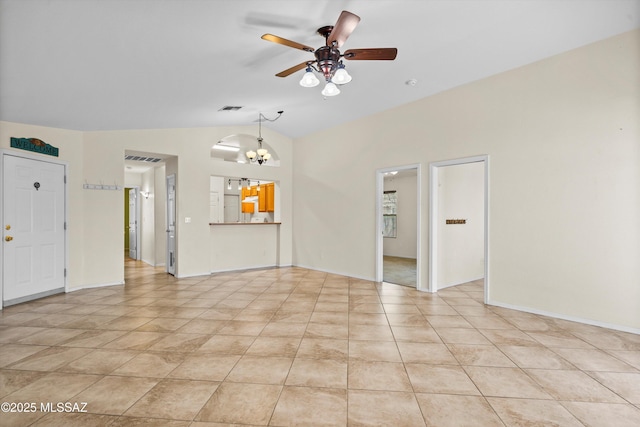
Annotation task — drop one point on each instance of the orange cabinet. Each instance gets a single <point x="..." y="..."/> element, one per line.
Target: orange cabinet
<point x="245" y="192"/>
<point x="254" y="190"/>
<point x="270" y="197"/>
<point x="262" y="198"/>
<point x="248" y="207"/>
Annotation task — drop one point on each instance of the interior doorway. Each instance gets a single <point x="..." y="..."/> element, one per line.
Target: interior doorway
<point x="132" y="223"/>
<point x="459" y="212"/>
<point x="398" y="225"/>
<point x="171" y="224"/>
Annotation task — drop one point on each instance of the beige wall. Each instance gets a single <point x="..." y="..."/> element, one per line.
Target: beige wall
<point x="95" y="217"/>
<point x="564" y="145"/>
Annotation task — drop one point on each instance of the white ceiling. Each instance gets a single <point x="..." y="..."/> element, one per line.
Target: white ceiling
<point x="110" y="64"/>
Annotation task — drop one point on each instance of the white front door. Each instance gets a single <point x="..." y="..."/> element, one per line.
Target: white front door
<point x="171" y="224"/>
<point x="133" y="224"/>
<point x="33" y="256"/>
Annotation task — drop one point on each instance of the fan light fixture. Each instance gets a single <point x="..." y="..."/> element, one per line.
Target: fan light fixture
<point x="261" y="155"/>
<point x="328" y="59"/>
<point x="334" y="73"/>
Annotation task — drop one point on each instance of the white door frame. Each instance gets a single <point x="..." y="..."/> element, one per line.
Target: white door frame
<point x="138" y="215"/>
<point x="380" y="224"/>
<point x="171" y="262"/>
<point x="434" y="226"/>
<point x="27" y="155"/>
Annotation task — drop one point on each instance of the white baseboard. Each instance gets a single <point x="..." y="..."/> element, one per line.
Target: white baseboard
<point x="152" y="264"/>
<point x="460" y="282"/>
<point x="253" y="267"/>
<point x="100" y="285"/>
<point x="591" y="322"/>
<point x="186" y="276"/>
<point x="370" y="279"/>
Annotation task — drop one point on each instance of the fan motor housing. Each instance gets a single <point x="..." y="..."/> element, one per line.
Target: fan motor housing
<point x="327" y="57"/>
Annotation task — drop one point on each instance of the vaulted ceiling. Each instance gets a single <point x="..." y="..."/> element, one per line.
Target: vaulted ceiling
<point x="109" y="64"/>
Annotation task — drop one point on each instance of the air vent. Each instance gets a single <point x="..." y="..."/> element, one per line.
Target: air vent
<point x="143" y="159"/>
<point x="230" y="108"/>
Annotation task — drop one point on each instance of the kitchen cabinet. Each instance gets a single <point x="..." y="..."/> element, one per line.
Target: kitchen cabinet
<point x="248" y="207"/>
<point x="270" y="196"/>
<point x="262" y="198"/>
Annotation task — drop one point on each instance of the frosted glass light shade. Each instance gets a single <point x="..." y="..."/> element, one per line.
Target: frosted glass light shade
<point x="251" y="154"/>
<point x="262" y="152"/>
<point x="330" y="90"/>
<point x="309" y="80"/>
<point x="341" y="77"/>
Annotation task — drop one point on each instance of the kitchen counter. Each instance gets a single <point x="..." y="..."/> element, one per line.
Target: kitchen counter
<point x="244" y="223"/>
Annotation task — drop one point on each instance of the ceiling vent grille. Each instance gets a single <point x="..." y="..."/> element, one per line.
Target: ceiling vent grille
<point x="142" y="159"/>
<point x="230" y="108"/>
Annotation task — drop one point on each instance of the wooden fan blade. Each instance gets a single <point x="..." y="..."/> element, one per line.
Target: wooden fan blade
<point x="292" y="70"/>
<point x="345" y="25"/>
<point x="386" y="53"/>
<point x="280" y="40"/>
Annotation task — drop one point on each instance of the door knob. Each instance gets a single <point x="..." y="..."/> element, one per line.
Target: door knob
<point x="8" y="238"/>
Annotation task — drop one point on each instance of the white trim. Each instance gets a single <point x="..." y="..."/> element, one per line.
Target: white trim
<point x="186" y="276"/>
<point x="138" y="214"/>
<point x="46" y="159"/>
<point x="337" y="273"/>
<point x="433" y="219"/>
<point x="379" y="225"/>
<point x="565" y="317"/>
<point x="152" y="264"/>
<point x="459" y="283"/>
<point x="252" y="267"/>
<point x="99" y="285"/>
<point x="33" y="297"/>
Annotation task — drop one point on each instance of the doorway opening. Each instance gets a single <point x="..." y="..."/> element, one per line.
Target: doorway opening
<point x="171" y="224"/>
<point x="145" y="231"/>
<point x="398" y="225"/>
<point x="459" y="223"/>
<point x="132" y="222"/>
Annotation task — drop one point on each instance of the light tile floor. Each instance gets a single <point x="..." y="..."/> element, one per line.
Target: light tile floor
<point x="292" y="346"/>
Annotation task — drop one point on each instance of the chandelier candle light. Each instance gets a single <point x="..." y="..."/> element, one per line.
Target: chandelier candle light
<point x="261" y="155"/>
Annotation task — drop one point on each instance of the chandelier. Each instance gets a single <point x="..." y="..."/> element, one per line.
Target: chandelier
<point x="261" y="155"/>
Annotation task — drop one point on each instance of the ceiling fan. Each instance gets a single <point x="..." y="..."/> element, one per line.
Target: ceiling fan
<point x="328" y="59"/>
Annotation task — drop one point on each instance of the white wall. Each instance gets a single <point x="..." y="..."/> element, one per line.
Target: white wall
<point x="245" y="246"/>
<point x="147" y="217"/>
<point x="193" y="167"/>
<point x="405" y="243"/>
<point x="96" y="216"/>
<point x="562" y="135"/>
<point x="460" y="246"/>
<point x="160" y="215"/>
<point x="216" y="188"/>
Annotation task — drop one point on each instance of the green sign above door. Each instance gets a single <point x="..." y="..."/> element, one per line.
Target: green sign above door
<point x="34" y="144"/>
